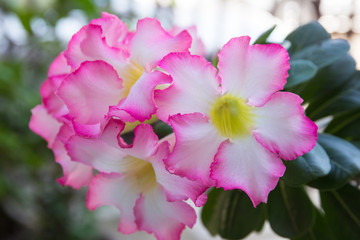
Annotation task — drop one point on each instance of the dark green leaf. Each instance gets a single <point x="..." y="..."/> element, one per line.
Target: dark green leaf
<point x="300" y="71"/>
<point x="341" y="99"/>
<point x="319" y="231"/>
<point x="306" y="35"/>
<point x="327" y="81"/>
<point x="344" y="160"/>
<point x="290" y="211"/>
<point x="324" y="53"/>
<point x="231" y="214"/>
<point x="342" y="211"/>
<point x="262" y="39"/>
<point x="308" y="167"/>
<point x="162" y="129"/>
<point x="346" y="125"/>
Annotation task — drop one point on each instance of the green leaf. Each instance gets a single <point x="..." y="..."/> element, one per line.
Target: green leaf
<point x="319" y="231"/>
<point x="344" y="160"/>
<point x="162" y="129"/>
<point x="343" y="98"/>
<point x="346" y="125"/>
<point x="308" y="167"/>
<point x="324" y="53"/>
<point x="300" y="71"/>
<point x="262" y="39"/>
<point x="342" y="211"/>
<point x="306" y="35"/>
<point x="231" y="214"/>
<point x="326" y="83"/>
<point x="290" y="211"/>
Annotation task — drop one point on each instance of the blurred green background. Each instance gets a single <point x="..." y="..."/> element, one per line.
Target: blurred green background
<point x="32" y="32"/>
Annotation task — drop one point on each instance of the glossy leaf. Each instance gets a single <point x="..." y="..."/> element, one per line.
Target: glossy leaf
<point x="342" y="212"/>
<point x="300" y="72"/>
<point x="306" y="35"/>
<point x="231" y="214"/>
<point x="262" y="39"/>
<point x="324" y="53"/>
<point x="327" y="81"/>
<point x="308" y="167"/>
<point x="344" y="98"/>
<point x="344" y="160"/>
<point x="346" y="125"/>
<point x="290" y="211"/>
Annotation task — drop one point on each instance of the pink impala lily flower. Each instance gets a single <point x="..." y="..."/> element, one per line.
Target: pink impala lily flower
<point x="134" y="179"/>
<point x="234" y="128"/>
<point x="113" y="71"/>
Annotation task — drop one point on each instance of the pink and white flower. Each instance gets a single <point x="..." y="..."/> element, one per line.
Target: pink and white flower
<point x="113" y="71"/>
<point x="106" y="70"/>
<point x="233" y="128"/>
<point x="134" y="179"/>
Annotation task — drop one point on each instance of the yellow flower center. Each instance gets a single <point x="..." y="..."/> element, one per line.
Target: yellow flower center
<point x="232" y="117"/>
<point x="142" y="172"/>
<point x="130" y="74"/>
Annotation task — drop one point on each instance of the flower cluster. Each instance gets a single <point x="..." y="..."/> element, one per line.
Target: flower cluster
<point x="232" y="126"/>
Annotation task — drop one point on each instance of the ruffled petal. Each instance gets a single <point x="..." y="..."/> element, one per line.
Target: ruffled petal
<point x="140" y="102"/>
<point x="176" y="187"/>
<point x="53" y="104"/>
<point x="282" y="127"/>
<point x="194" y="88"/>
<point x="76" y="175"/>
<point x="244" y="164"/>
<point x="89" y="45"/>
<point x="196" y="145"/>
<point x="253" y="72"/>
<point x="145" y="143"/>
<point x="151" y="43"/>
<point x="116" y="190"/>
<point x="154" y="214"/>
<point x="101" y="153"/>
<point x="197" y="45"/>
<point x="43" y="124"/>
<point x="114" y="30"/>
<point x="59" y="66"/>
<point x="89" y="91"/>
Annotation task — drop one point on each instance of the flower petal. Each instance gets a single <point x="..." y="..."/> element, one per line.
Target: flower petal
<point x="176" y="187"/>
<point x="113" y="29"/>
<point x="116" y="190"/>
<point x="196" y="145"/>
<point x="101" y="153"/>
<point x="140" y="102"/>
<point x="151" y="43"/>
<point x="89" y="91"/>
<point x="89" y="45"/>
<point x="282" y="127"/>
<point x="43" y="124"/>
<point x="253" y="72"/>
<point x="59" y="66"/>
<point x="194" y="88"/>
<point x="76" y="174"/>
<point x="54" y="105"/>
<point x="145" y="143"/>
<point x="244" y="164"/>
<point x="154" y="214"/>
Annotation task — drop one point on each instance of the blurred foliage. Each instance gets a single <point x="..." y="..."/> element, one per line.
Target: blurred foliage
<point x="324" y="75"/>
